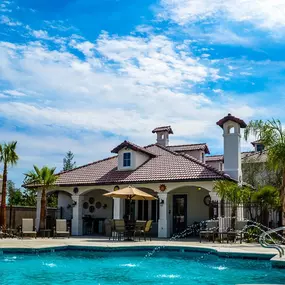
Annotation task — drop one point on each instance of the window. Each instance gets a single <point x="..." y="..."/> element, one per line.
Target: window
<point x="203" y="157"/>
<point x="221" y="166"/>
<point x="127" y="159"/>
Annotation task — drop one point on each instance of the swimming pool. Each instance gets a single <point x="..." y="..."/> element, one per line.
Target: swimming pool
<point x="130" y="267"/>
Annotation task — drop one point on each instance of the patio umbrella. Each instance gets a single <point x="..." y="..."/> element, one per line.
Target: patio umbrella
<point x="130" y="193"/>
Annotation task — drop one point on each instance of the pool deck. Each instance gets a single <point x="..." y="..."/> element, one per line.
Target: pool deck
<point x="31" y="243"/>
<point x="244" y="250"/>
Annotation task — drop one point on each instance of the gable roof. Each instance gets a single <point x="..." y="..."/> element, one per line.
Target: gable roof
<point x="229" y="117"/>
<point x="133" y="147"/>
<point x="246" y="156"/>
<point x="165" y="166"/>
<point x="162" y="129"/>
<point x="190" y="147"/>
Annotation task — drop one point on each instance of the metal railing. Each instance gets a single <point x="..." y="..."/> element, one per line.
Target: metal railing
<point x="265" y="244"/>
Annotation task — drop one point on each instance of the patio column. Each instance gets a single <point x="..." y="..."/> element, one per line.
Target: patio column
<point x="118" y="208"/>
<point x="163" y="222"/>
<point x="77" y="221"/>
<point x="38" y="212"/>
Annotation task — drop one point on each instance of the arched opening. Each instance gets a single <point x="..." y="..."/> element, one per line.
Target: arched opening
<point x="96" y="208"/>
<point x="188" y="205"/>
<point x="143" y="209"/>
<point x="63" y="202"/>
<point x="231" y="129"/>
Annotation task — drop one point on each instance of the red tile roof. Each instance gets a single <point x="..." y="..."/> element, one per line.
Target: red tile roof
<point x="244" y="155"/>
<point x="131" y="146"/>
<point x="214" y="158"/>
<point x="189" y="147"/>
<point x="229" y="117"/>
<point x="162" y="129"/>
<point x="165" y="166"/>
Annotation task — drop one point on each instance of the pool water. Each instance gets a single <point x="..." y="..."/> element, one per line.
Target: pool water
<point x="78" y="267"/>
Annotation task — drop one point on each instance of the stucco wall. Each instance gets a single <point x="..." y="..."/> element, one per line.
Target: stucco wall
<point x="195" y="153"/>
<point x="140" y="158"/>
<point x="137" y="159"/>
<point x="232" y="151"/>
<point x="64" y="199"/>
<point x="216" y="164"/>
<point x="196" y="209"/>
<point x="98" y="197"/>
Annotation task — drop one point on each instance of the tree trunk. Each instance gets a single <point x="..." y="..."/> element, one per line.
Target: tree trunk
<point x="43" y="209"/>
<point x="233" y="216"/>
<point x="3" y="199"/>
<point x="283" y="199"/>
<point x="265" y="217"/>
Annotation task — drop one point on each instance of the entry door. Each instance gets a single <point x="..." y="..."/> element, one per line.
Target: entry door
<point x="179" y="213"/>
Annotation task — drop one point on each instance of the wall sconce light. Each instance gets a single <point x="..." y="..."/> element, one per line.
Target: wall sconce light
<point x="161" y="202"/>
<point x="74" y="203"/>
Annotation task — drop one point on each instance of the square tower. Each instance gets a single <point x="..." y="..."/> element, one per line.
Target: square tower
<point x="232" y="150"/>
<point x="162" y="135"/>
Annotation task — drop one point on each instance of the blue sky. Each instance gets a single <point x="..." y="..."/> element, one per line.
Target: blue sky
<point x="85" y="75"/>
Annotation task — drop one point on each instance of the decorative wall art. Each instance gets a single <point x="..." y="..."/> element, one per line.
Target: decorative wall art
<point x="98" y="205"/>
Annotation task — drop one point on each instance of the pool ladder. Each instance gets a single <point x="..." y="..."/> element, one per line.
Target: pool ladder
<point x="265" y="244"/>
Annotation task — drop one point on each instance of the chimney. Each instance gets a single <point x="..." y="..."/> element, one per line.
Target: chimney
<point x="232" y="153"/>
<point x="162" y="135"/>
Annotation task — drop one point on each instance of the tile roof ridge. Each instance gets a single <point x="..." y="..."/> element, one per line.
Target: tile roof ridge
<point x="214" y="155"/>
<point x="252" y="153"/>
<point x="187" y="144"/>
<point x="135" y="146"/>
<point x="86" y="165"/>
<point x="163" y="147"/>
<point x="222" y="173"/>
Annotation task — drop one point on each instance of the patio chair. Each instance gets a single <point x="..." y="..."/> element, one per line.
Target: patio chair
<point x="61" y="228"/>
<point x="210" y="231"/>
<point x="110" y="228"/>
<point x="238" y="232"/>
<point x="119" y="229"/>
<point x="146" y="230"/>
<point x="28" y="228"/>
<point x="139" y="227"/>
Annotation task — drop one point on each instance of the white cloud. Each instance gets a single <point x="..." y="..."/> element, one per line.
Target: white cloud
<point x="40" y="34"/>
<point x="261" y="13"/>
<point x="154" y="60"/>
<point x="224" y="36"/>
<point x="9" y="22"/>
<point x="15" y="93"/>
<point x="86" y="47"/>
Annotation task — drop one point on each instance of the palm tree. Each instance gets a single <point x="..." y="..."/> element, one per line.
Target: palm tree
<point x="272" y="136"/>
<point x="8" y="156"/>
<point x="267" y="197"/>
<point x="44" y="178"/>
<point x="231" y="192"/>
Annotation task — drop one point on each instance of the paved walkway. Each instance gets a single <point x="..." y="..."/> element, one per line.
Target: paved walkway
<point x="104" y="242"/>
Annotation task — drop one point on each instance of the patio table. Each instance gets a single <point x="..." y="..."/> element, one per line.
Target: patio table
<point x="44" y="233"/>
<point x="229" y="235"/>
<point x="129" y="231"/>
